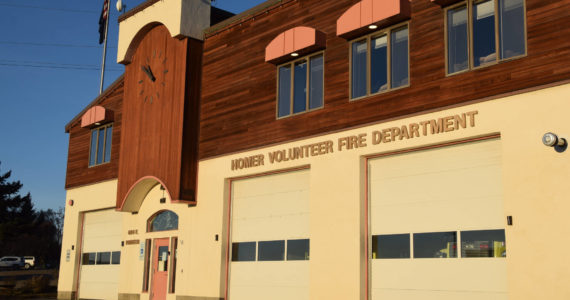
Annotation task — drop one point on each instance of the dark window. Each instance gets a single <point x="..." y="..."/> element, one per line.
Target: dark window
<point x="103" y="258"/>
<point x="300" y="90"/>
<point x="391" y="246"/>
<point x="483" y="243"/>
<point x="244" y="251"/>
<point x="379" y="65"/>
<point x="359" y="69"/>
<point x="435" y="245"/>
<point x="511" y="25"/>
<point x="116" y="258"/>
<point x="271" y="251"/>
<point x="298" y="249"/>
<point x="165" y="220"/>
<point x="457" y="37"/>
<point x="476" y="21"/>
<point x="88" y="258"/>
<point x="101" y="142"/>
<point x="484" y="50"/>
<point x="379" y="62"/>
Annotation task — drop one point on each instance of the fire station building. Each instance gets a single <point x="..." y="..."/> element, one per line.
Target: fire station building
<point x="310" y="149"/>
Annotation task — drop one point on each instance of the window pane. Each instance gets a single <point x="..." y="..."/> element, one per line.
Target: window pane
<point x="391" y="246"/>
<point x="399" y="40"/>
<point x="435" y="245"/>
<point x="103" y="258"/>
<point x="457" y="54"/>
<point x="300" y="89"/>
<point x="511" y="31"/>
<point x="166" y="220"/>
<point x="88" y="259"/>
<point x="316" y="82"/>
<point x="93" y="150"/>
<point x="243" y="251"/>
<point x="379" y="64"/>
<point x="284" y="108"/>
<point x="108" y="143"/>
<point x="162" y="258"/>
<point x="484" y="33"/>
<point x="100" y="145"/>
<point x="483" y="243"/>
<point x="116" y="258"/>
<point x="271" y="251"/>
<point x="358" y="79"/>
<point x="298" y="249"/>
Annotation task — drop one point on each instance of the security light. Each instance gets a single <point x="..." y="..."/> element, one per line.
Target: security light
<point x="551" y="140"/>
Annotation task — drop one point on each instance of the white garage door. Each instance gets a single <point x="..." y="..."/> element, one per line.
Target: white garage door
<point x="437" y="224"/>
<point x="99" y="277"/>
<point x="270" y="237"/>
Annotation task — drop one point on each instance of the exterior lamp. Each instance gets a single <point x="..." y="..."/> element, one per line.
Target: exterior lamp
<point x="373" y="26"/>
<point x="551" y="140"/>
<point x="294" y="54"/>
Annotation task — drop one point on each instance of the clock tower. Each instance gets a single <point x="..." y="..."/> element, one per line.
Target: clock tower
<point x="160" y="43"/>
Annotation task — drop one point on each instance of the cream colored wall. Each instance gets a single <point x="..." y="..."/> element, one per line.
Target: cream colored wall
<point x="534" y="194"/>
<point x="186" y="18"/>
<point x="534" y="190"/>
<point x="86" y="198"/>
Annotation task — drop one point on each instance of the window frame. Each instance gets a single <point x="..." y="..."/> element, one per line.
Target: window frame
<point x="292" y="63"/>
<point x="470" y="58"/>
<point x="387" y="31"/>
<point x="105" y="127"/>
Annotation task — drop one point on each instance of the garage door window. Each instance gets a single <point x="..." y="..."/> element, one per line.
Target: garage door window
<point x="243" y="251"/>
<point x="483" y="243"/>
<point x="116" y="258"/>
<point x="103" y="258"/>
<point x="88" y="258"/>
<point x="298" y="249"/>
<point x="435" y="245"/>
<point x="271" y="251"/>
<point x="391" y="246"/>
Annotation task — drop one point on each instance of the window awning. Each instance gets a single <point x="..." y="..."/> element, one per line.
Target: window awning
<point x="382" y="13"/>
<point x="95" y="116"/>
<point x="301" y="40"/>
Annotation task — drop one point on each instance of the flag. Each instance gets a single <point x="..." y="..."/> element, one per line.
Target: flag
<point x="103" y="21"/>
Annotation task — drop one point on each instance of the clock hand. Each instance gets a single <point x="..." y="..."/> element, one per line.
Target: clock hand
<point x="148" y="72"/>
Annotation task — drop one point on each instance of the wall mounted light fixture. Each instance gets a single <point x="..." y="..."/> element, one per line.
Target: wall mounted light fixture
<point x="550" y="139"/>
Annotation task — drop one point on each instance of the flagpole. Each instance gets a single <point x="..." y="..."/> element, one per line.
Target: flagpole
<point x="105" y="48"/>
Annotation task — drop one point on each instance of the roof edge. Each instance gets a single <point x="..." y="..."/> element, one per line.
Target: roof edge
<point x="96" y="101"/>
<point x="244" y="16"/>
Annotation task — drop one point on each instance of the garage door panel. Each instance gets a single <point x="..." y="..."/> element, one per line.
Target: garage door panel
<point x="447" y="189"/>
<point x="438" y="216"/>
<point x="270" y="280"/>
<point x="270" y="208"/>
<point x="101" y="233"/>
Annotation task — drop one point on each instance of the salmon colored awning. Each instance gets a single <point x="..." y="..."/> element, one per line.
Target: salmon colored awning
<point x="382" y="13"/>
<point x="301" y="40"/>
<point x="95" y="116"/>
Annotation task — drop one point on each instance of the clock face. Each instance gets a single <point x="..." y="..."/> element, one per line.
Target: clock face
<point x="152" y="77"/>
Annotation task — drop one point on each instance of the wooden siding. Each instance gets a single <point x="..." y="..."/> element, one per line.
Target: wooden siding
<point x="151" y="143"/>
<point x="239" y="89"/>
<point x="78" y="171"/>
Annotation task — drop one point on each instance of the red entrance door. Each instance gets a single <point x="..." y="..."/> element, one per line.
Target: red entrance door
<point x="160" y="269"/>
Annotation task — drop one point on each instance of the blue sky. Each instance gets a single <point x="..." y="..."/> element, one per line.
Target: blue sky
<point x="49" y="70"/>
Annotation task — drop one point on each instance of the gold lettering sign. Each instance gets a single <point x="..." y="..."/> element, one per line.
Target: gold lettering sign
<point x="385" y="135"/>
